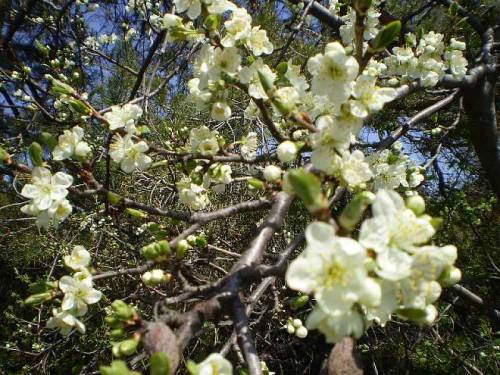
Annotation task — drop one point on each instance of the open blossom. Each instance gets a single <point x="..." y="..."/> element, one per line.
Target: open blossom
<point x="335" y="327"/>
<point x="218" y="174"/>
<point x="192" y="195"/>
<point x="71" y="143"/>
<point x="48" y="197"/>
<point x="129" y="154"/>
<point x="371" y="24"/>
<point x="394" y="232"/>
<point x="193" y="7"/>
<point x="238" y="27"/>
<point x="369" y="97"/>
<point x="334" y="269"/>
<point x="46" y="188"/>
<point x="355" y="170"/>
<point x="204" y="141"/>
<point x="259" y="43"/>
<point x="78" y="293"/>
<point x="65" y="322"/>
<point x="56" y="213"/>
<point x="124" y="116"/>
<point x="220" y="111"/>
<point x="78" y="259"/>
<point x="387" y="174"/>
<point x="214" y="364"/>
<point x="333" y="73"/>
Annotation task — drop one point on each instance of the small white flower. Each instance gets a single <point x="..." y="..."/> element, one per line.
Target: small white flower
<point x="220" y="111"/>
<point x="394" y="233"/>
<point x="204" y="141"/>
<point x="333" y="73"/>
<point x="78" y="293"/>
<point x="65" y="322"/>
<point x="78" y="259"/>
<point x="333" y="268"/>
<point x="46" y="189"/>
<point x="250" y="75"/>
<point x="192" y="195"/>
<point x="125" y="116"/>
<point x="369" y="97"/>
<point x="193" y="7"/>
<point x="259" y="42"/>
<point x="129" y="154"/>
<point x="214" y="364"/>
<point x="237" y="28"/>
<point x="248" y="146"/>
<point x="70" y="143"/>
<point x="355" y="170"/>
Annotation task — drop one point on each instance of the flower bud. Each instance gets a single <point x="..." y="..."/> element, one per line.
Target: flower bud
<point x="272" y="173"/>
<point x="450" y="276"/>
<point x="122" y="310"/>
<point x="290" y="328"/>
<point x="37" y="299"/>
<point x="299" y="302"/>
<point x="191" y="239"/>
<point x="128" y="347"/>
<point x="417" y="204"/>
<point x="301" y="332"/>
<point x="287" y="151"/>
<point x="182" y="248"/>
<point x="297" y="323"/>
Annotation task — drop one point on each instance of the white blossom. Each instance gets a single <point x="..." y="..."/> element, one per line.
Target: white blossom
<point x="65" y="322"/>
<point x="71" y="143"/>
<point x="214" y="364"/>
<point x="333" y="73"/>
<point x="192" y="195"/>
<point x="204" y="141"/>
<point x="123" y="116"/>
<point x="78" y="293"/>
<point x="78" y="259"/>
<point x="333" y="268"/>
<point x="131" y="155"/>
<point x="272" y="173"/>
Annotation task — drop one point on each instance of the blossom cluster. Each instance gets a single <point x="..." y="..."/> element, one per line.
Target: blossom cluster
<point x="428" y="60"/>
<point x="124" y="149"/>
<point x="78" y="293"/>
<point x="390" y="268"/>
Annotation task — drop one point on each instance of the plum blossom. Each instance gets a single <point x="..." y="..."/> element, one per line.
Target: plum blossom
<point x="65" y="322"/>
<point x="71" y="143"/>
<point x="124" y="116"/>
<point x="334" y="270"/>
<point x="78" y="259"/>
<point x="78" y="293"/>
<point x="333" y="73"/>
<point x="131" y="155"/>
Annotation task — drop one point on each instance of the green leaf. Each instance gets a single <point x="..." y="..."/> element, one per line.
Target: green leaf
<point x="79" y="106"/>
<point x="136" y="213"/>
<point x="48" y="140"/>
<point x="453" y="9"/>
<point x="413" y="314"/>
<point x="386" y="35"/>
<point x="4" y="156"/>
<point x="36" y="154"/>
<point x="117" y="368"/>
<point x="352" y="214"/>
<point x="308" y="187"/>
<point x="160" y="365"/>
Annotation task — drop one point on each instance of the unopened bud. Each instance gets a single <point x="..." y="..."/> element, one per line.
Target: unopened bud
<point x="417" y="204"/>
